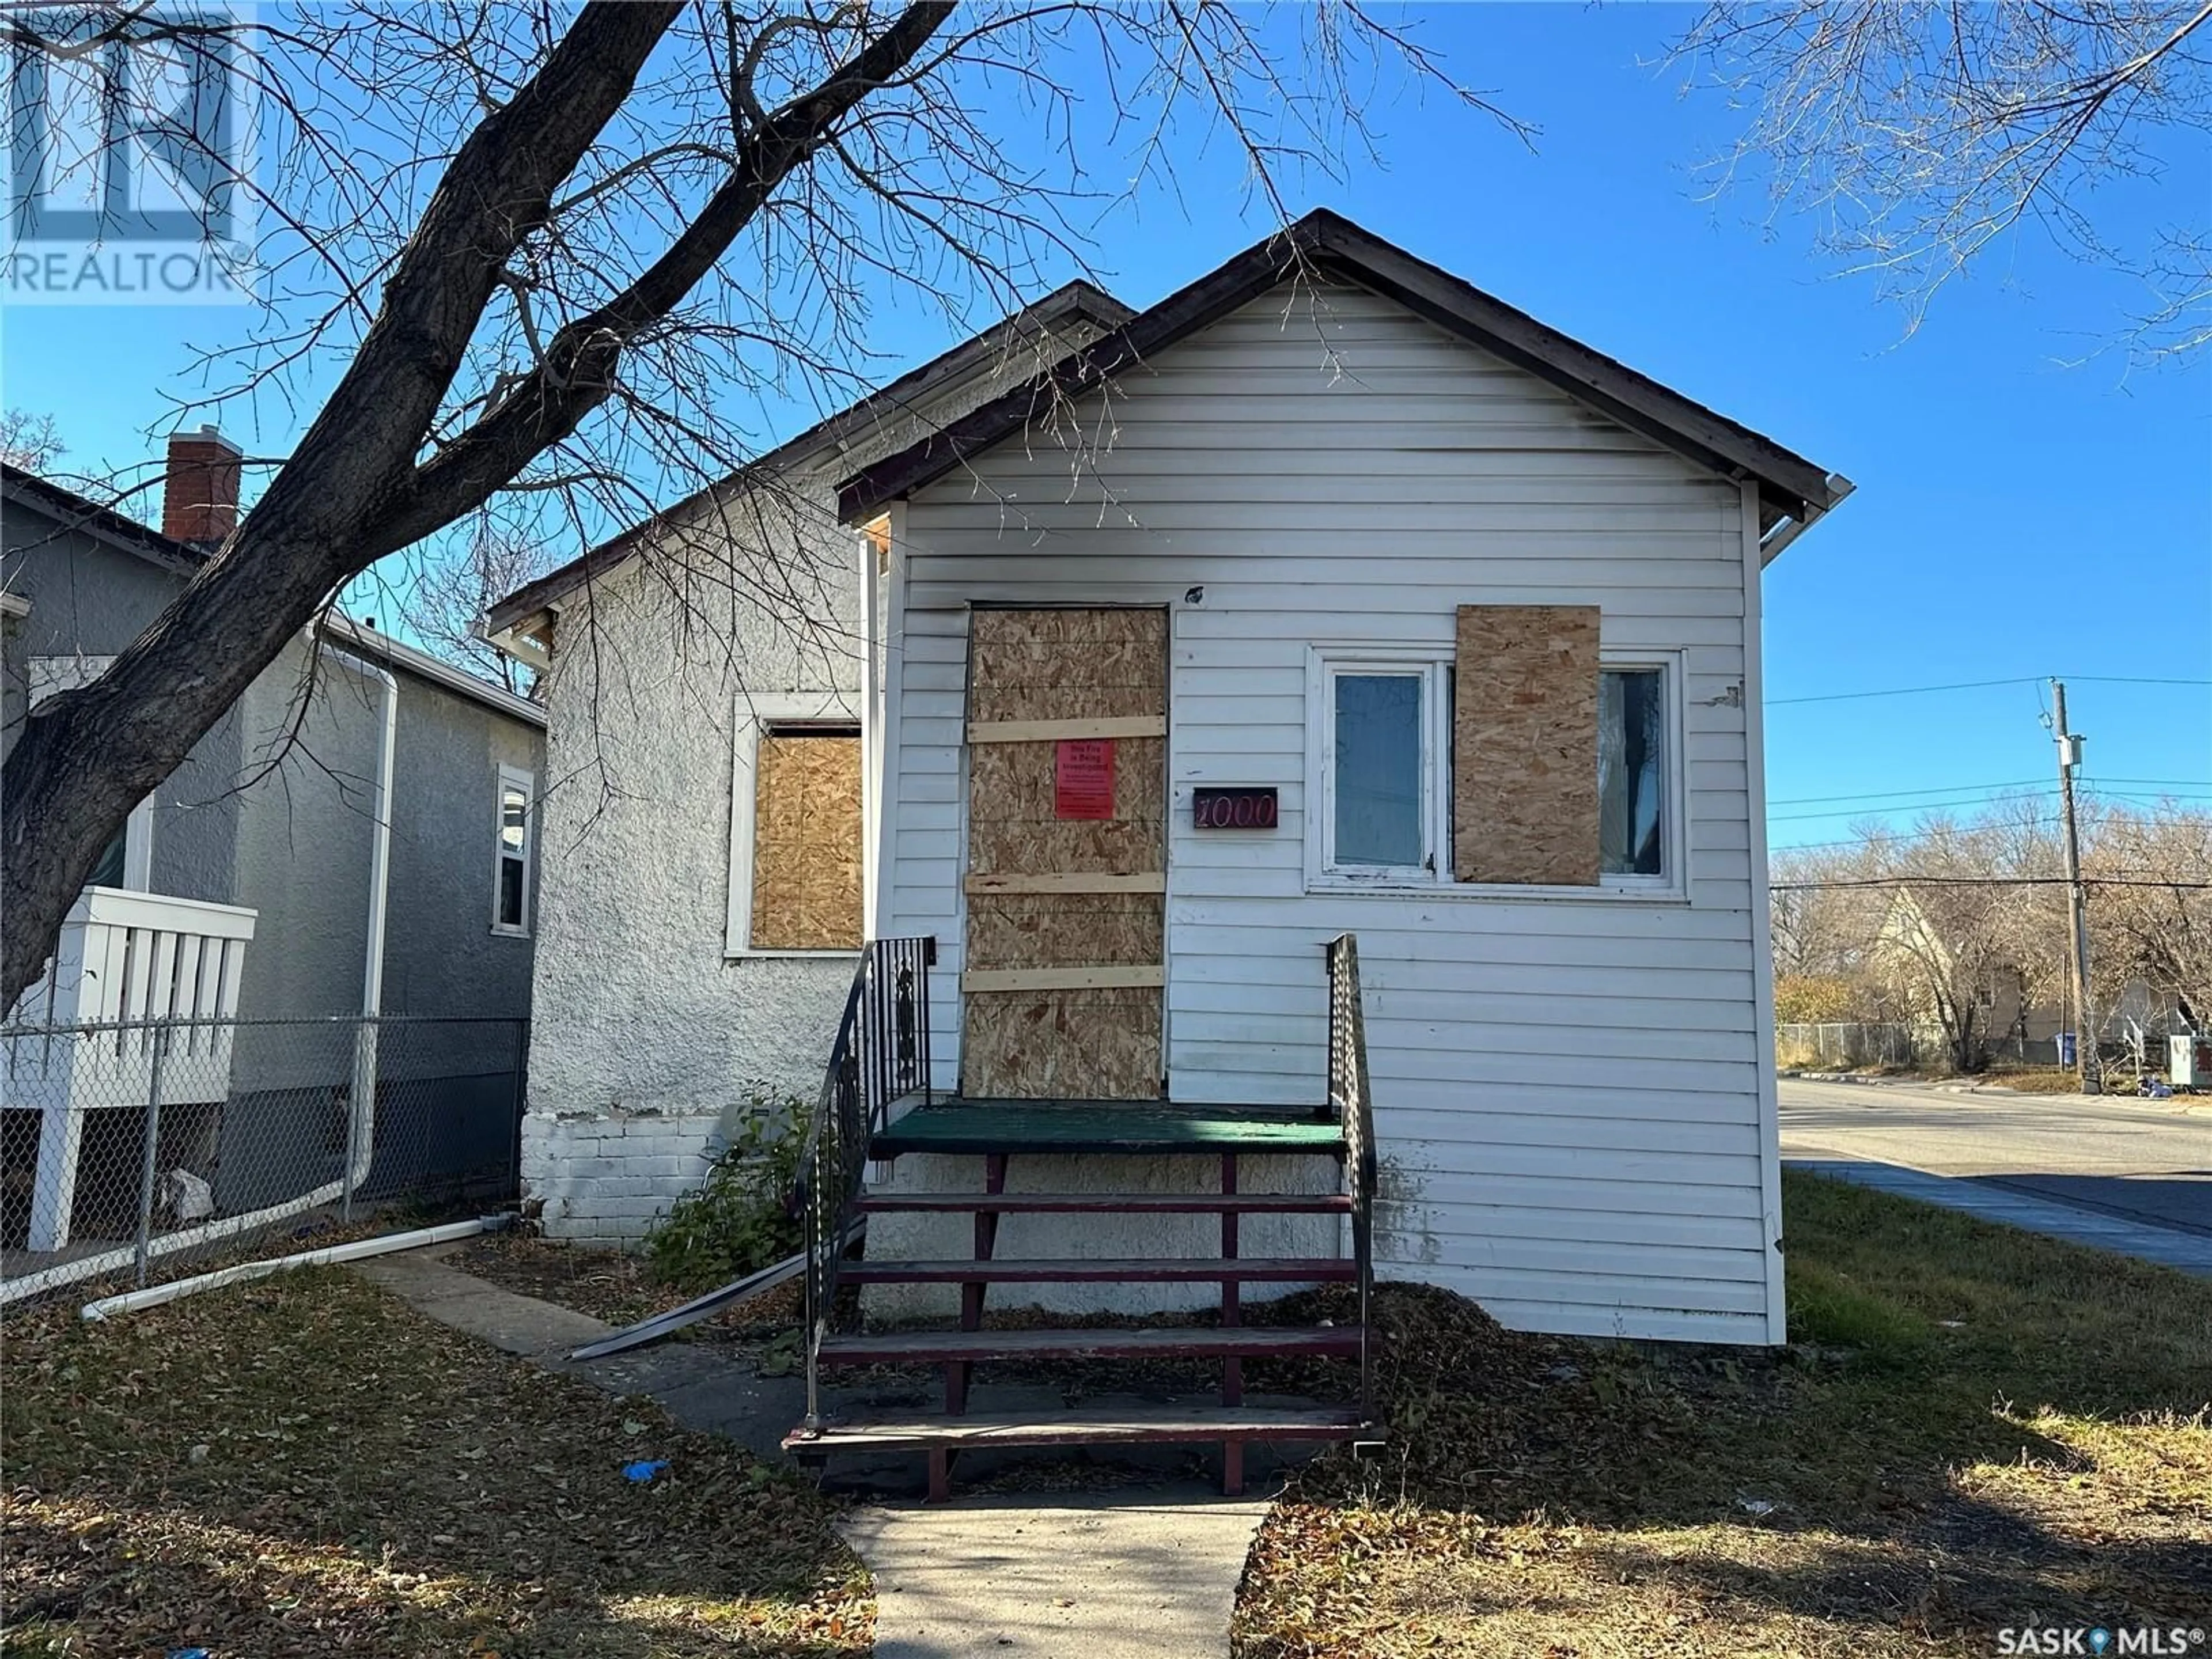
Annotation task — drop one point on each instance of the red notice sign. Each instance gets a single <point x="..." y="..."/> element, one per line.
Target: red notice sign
<point x="1083" y="778"/>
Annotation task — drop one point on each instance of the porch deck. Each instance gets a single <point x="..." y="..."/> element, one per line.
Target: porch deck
<point x="993" y="1127"/>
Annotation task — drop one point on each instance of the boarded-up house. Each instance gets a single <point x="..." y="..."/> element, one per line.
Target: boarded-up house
<point x="1328" y="596"/>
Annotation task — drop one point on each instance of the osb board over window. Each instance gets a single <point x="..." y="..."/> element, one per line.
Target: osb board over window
<point x="1095" y="1044"/>
<point x="1524" y="745"/>
<point x="806" y="842"/>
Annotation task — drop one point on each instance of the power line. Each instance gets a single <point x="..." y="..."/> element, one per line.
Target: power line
<point x="1983" y="685"/>
<point x="1909" y="879"/>
<point x="1903" y="691"/>
<point x="1895" y="794"/>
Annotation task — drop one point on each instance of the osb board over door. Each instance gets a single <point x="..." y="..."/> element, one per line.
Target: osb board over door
<point x="1085" y="1043"/>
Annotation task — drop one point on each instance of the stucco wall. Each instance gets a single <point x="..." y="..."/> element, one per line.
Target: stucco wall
<point x="639" y="1006"/>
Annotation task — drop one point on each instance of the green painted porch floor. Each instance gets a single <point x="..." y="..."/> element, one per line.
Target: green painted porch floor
<point x="1102" y="1126"/>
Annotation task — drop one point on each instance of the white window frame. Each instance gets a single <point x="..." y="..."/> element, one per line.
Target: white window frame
<point x="792" y="711"/>
<point x="1326" y="668"/>
<point x="1673" y="880"/>
<point x="506" y="778"/>
<point x="1325" y="663"/>
<point x="49" y="677"/>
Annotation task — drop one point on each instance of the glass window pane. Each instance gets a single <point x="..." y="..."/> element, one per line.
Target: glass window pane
<point x="510" y="892"/>
<point x="513" y="810"/>
<point x="1631" y="771"/>
<point x="108" y="872"/>
<point x="1378" y="770"/>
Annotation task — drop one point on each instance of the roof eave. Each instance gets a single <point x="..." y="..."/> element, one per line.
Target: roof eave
<point x="1077" y="299"/>
<point x="1793" y="487"/>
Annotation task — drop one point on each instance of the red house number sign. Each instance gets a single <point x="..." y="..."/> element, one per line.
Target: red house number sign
<point x="1233" y="809"/>
<point x="1083" y="778"/>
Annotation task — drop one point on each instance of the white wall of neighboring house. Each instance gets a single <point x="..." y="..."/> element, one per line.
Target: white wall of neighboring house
<point x="1572" y="1094"/>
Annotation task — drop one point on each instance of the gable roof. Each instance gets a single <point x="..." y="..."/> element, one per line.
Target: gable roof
<point x="72" y="511"/>
<point x="1073" y="300"/>
<point x="1791" y="488"/>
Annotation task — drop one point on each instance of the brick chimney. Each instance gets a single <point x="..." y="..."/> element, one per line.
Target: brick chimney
<point x="199" y="496"/>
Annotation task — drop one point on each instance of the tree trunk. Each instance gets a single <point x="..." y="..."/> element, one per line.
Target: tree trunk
<point x="87" y="757"/>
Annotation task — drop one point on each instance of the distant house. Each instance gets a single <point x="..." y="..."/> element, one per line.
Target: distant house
<point x="251" y="884"/>
<point x="1953" y="960"/>
<point x="1328" y="595"/>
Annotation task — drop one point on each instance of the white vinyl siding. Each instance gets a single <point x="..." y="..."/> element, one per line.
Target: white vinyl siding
<point x="1568" y="1081"/>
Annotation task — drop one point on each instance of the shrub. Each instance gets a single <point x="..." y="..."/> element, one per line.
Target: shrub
<point x="733" y="1223"/>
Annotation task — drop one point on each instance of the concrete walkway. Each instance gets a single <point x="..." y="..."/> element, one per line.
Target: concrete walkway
<point x="1083" y="1575"/>
<point x="697" y="1386"/>
<point x="2190" y="1252"/>
<point x="1144" y="1571"/>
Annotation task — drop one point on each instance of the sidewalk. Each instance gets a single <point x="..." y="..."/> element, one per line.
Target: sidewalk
<point x="1087" y="1574"/>
<point x="2190" y="1253"/>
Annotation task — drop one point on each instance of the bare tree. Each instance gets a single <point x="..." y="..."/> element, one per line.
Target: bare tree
<point x="1918" y="134"/>
<point x="562" y="259"/>
<point x="2152" y="873"/>
<point x="442" y="596"/>
<point x="30" y="441"/>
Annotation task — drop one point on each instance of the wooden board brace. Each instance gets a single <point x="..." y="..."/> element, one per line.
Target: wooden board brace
<point x="1139" y="881"/>
<point x="1111" y="726"/>
<point x="1129" y="977"/>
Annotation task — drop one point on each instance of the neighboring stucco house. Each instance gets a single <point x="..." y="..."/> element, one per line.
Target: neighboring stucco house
<point x="1327" y="595"/>
<point x="252" y="882"/>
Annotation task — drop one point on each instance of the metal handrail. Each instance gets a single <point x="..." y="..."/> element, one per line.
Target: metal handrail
<point x="879" y="1057"/>
<point x="1351" y="1098"/>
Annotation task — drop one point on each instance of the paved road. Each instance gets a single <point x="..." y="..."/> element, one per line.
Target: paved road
<point x="2147" y="1161"/>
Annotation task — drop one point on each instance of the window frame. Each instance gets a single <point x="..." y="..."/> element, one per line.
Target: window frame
<point x="50" y="675"/>
<point x="1325" y="662"/>
<point x="505" y="777"/>
<point x="1430" y="668"/>
<point x="831" y="713"/>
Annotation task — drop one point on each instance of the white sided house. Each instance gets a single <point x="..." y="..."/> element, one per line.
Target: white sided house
<point x="1330" y="599"/>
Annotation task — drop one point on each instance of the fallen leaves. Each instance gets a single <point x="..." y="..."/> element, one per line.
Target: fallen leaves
<point x="305" y="1467"/>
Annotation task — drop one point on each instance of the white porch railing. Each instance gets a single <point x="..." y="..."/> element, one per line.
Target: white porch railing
<point x="123" y="958"/>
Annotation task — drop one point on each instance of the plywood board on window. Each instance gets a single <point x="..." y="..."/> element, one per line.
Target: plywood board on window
<point x="806" y="842"/>
<point x="1079" y="1042"/>
<point x="1524" y="745"/>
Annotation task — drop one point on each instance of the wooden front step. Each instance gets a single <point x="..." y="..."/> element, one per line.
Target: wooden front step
<point x="1110" y="1203"/>
<point x="1084" y="1270"/>
<point x="1152" y="1342"/>
<point x="1125" y="1427"/>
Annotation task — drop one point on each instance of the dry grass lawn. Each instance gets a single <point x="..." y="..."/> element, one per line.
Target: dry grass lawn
<point x="1973" y="1429"/>
<point x="304" y="1466"/>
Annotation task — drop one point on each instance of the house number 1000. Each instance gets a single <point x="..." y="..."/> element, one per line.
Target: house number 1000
<point x="1233" y="809"/>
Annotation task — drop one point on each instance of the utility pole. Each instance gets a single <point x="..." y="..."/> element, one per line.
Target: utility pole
<point x="2086" y="1069"/>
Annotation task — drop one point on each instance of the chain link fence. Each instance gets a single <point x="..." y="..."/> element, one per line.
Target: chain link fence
<point x="1798" y="1046"/>
<point x="143" y="1150"/>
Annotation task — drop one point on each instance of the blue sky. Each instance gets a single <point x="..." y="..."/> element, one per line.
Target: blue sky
<point x="2020" y="513"/>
